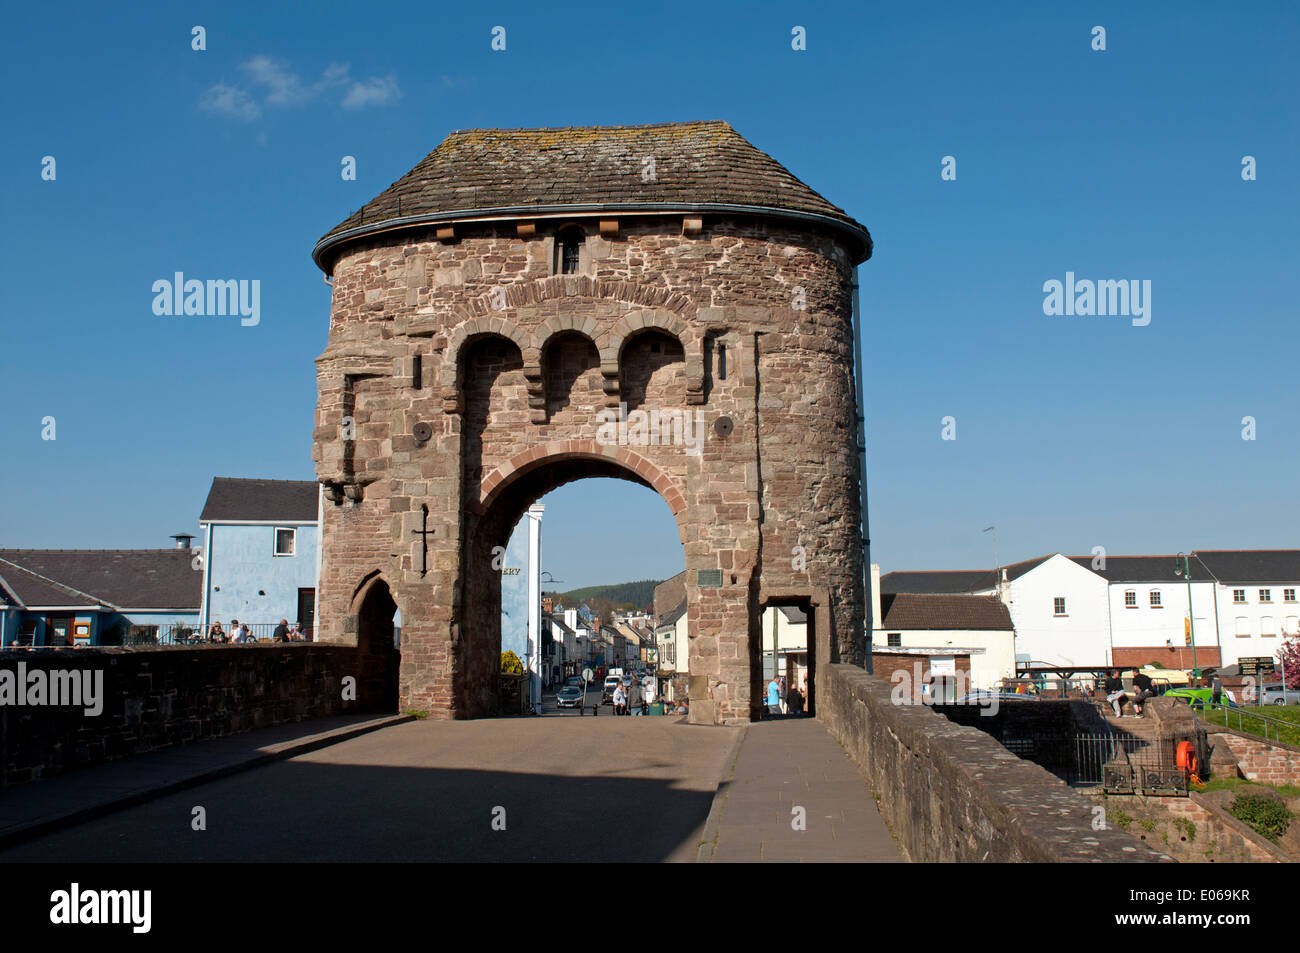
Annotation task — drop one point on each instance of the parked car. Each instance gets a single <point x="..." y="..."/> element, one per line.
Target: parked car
<point x="575" y="681"/>
<point x="1277" y="694"/>
<point x="1199" y="697"/>
<point x="570" y="696"/>
<point x="607" y="692"/>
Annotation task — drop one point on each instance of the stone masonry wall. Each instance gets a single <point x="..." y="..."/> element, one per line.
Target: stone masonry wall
<point x="951" y="793"/>
<point x="161" y="697"/>
<point x="511" y="365"/>
<point x="1267" y="762"/>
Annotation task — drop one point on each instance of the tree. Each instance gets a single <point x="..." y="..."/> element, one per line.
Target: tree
<point x="510" y="664"/>
<point x="1289" y="656"/>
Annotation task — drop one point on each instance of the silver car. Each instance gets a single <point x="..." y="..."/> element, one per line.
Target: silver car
<point x="1276" y="694"/>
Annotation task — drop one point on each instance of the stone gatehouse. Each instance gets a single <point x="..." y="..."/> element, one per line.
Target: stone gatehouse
<point x="500" y="306"/>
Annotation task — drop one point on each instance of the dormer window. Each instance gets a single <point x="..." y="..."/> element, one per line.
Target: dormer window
<point x="568" y="250"/>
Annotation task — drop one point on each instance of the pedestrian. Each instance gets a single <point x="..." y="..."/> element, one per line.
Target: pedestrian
<point x="1216" y="690"/>
<point x="794" y="701"/>
<point x="774" y="697"/>
<point x="1115" y="692"/>
<point x="620" y="699"/>
<point x="1141" y="691"/>
<point x="281" y="633"/>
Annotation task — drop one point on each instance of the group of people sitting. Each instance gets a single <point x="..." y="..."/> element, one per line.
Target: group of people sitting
<point x="1116" y="694"/>
<point x="240" y="633"/>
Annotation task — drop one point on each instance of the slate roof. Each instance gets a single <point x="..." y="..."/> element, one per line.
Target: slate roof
<point x="260" y="500"/>
<point x="956" y="580"/>
<point x="533" y="170"/>
<point x="1121" y="569"/>
<point x="667" y="594"/>
<point x="118" y="578"/>
<point x="1252" y="565"/>
<point x="671" y="617"/>
<point x="904" y="611"/>
<point x="794" y="614"/>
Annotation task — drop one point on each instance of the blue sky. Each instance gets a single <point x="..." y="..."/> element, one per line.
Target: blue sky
<point x="1072" y="432"/>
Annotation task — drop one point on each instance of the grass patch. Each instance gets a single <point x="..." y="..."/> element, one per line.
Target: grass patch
<point x="416" y="713"/>
<point x="1120" y="819"/>
<point x="1187" y="827"/>
<point x="1240" y="719"/>
<point x="1242" y="785"/>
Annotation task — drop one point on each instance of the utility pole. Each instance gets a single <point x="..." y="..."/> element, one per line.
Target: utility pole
<point x="997" y="577"/>
<point x="1184" y="569"/>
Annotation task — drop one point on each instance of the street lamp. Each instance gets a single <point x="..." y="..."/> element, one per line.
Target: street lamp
<point x="1184" y="569"/>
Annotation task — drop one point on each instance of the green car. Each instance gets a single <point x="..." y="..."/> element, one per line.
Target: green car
<point x="1199" y="698"/>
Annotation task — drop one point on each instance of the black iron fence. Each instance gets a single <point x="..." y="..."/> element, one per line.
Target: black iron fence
<point x="1122" y="764"/>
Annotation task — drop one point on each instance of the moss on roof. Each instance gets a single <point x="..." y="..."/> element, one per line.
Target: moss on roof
<point x="694" y="163"/>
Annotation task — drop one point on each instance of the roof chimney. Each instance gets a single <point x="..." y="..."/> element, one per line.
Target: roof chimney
<point x="183" y="540"/>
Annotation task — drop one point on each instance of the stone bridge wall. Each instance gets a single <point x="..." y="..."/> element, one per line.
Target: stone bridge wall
<point x="952" y="793"/>
<point x="160" y="697"/>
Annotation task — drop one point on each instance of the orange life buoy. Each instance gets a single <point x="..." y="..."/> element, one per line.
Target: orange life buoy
<point x="1186" y="754"/>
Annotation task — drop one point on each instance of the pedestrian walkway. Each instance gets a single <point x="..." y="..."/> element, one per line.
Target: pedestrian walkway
<point x="39" y="807"/>
<point x="795" y="795"/>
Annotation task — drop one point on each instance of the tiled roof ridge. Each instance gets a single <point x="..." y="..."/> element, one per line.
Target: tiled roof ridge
<point x="260" y="480"/>
<point x="158" y="549"/>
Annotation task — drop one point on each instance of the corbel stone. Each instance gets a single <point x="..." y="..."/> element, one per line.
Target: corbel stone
<point x="692" y="225"/>
<point x="446" y="233"/>
<point x="526" y="230"/>
<point x="609" y="228"/>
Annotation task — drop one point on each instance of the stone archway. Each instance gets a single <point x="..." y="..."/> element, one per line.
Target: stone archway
<point x="467" y="374"/>
<point x="379" y="658"/>
<point x="504" y="495"/>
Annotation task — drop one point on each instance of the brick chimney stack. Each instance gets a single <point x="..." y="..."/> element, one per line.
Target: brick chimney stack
<point x="546" y="605"/>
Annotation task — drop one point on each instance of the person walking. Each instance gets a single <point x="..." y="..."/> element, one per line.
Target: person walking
<point x="1216" y="690"/>
<point x="774" y="697"/>
<point x="794" y="701"/>
<point x="620" y="699"/>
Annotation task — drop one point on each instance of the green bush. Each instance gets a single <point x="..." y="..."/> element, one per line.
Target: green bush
<point x="1265" y="815"/>
<point x="510" y="664"/>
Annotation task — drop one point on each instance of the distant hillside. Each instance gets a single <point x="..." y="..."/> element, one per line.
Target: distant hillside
<point x="640" y="594"/>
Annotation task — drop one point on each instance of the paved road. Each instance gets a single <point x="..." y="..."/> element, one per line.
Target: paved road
<point x="572" y="789"/>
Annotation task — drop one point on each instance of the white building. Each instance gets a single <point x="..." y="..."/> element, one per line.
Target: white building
<point x="941" y="627"/>
<point x="1128" y="611"/>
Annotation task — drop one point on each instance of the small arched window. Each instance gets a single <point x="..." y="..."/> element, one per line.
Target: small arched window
<point x="568" y="250"/>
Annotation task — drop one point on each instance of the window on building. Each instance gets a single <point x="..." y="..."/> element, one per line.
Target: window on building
<point x="1058" y="605"/>
<point x="1239" y="595"/>
<point x="1266" y="595"/>
<point x="1288" y="595"/>
<point x="1266" y="627"/>
<point x="568" y="250"/>
<point x="1154" y="596"/>
<point x="1292" y="625"/>
<point x="284" y="541"/>
<point x="895" y="640"/>
<point x="1130" y="599"/>
<point x="1243" y="627"/>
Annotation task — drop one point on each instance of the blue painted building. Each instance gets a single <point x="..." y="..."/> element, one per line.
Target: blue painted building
<point x="261" y="546"/>
<point x="58" y="598"/>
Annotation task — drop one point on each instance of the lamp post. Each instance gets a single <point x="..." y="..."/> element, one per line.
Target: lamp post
<point x="1183" y="568"/>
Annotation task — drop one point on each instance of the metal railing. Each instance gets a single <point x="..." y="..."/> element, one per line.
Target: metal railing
<point x="1241" y="717"/>
<point x="172" y="633"/>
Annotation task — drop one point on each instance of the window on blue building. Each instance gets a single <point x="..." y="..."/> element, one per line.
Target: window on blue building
<point x="284" y="541"/>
